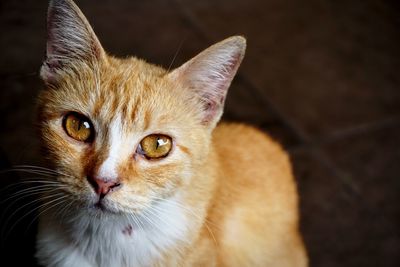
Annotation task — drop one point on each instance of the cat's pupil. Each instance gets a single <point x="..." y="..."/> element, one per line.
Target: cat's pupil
<point x="157" y="143"/>
<point x="79" y="125"/>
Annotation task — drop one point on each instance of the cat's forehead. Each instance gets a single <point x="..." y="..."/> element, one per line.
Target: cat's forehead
<point x="130" y="89"/>
<point x="124" y="88"/>
<point x="128" y="79"/>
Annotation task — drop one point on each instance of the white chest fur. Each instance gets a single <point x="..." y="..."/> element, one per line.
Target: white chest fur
<point x="112" y="241"/>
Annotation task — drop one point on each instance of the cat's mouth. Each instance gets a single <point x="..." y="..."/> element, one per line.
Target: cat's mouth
<point x="100" y="206"/>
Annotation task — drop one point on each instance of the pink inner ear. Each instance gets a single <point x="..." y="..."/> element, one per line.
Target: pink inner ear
<point x="217" y="85"/>
<point x="210" y="112"/>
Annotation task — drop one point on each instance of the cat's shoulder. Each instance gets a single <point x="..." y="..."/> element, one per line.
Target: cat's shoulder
<point x="239" y="130"/>
<point x="247" y="151"/>
<point x="245" y="138"/>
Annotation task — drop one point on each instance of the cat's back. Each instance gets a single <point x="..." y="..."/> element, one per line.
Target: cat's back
<point x="256" y="201"/>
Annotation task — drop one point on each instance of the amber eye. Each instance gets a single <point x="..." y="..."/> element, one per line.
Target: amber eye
<point x="155" y="146"/>
<point x="78" y="127"/>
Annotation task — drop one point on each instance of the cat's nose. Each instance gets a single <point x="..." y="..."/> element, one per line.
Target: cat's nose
<point x="102" y="186"/>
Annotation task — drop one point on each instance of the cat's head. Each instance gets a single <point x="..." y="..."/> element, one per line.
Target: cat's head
<point x="122" y="131"/>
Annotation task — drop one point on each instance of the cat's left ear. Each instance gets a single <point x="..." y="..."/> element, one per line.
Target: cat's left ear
<point x="210" y="74"/>
<point x="70" y="40"/>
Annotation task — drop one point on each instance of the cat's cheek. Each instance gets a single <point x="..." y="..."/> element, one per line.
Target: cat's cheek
<point x="61" y="152"/>
<point x="72" y="154"/>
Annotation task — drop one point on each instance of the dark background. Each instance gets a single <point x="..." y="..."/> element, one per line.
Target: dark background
<point x="322" y="76"/>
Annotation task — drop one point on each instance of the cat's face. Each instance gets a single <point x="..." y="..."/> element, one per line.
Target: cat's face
<point x="124" y="105"/>
<point x="122" y="132"/>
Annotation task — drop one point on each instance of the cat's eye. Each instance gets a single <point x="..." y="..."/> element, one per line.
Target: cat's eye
<point x="78" y="127"/>
<point x="155" y="146"/>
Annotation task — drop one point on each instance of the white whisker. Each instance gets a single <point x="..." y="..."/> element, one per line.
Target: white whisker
<point x="26" y="214"/>
<point x="61" y="201"/>
<point x="32" y="191"/>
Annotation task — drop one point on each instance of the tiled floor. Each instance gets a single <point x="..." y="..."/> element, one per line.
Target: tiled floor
<point x="322" y="76"/>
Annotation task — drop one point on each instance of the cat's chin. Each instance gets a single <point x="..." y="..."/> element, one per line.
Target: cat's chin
<point x="100" y="207"/>
<point x="103" y="208"/>
<point x="93" y="206"/>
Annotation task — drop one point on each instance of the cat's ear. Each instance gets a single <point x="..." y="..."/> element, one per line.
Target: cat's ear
<point x="209" y="75"/>
<point x="70" y="38"/>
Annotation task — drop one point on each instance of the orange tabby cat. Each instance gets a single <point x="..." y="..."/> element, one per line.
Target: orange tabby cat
<point x="145" y="178"/>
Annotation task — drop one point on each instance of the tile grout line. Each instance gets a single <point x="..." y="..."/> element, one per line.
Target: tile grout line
<point x="350" y="132"/>
<point x="300" y="135"/>
<point x="343" y="176"/>
<point x="318" y="154"/>
<point x="360" y="129"/>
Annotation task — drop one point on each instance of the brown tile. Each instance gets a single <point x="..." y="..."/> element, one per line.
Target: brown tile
<point x="17" y="106"/>
<point x="372" y="160"/>
<point x="326" y="65"/>
<point x="339" y="228"/>
<point x="243" y="105"/>
<point x="328" y="217"/>
<point x="22" y="38"/>
<point x="152" y="30"/>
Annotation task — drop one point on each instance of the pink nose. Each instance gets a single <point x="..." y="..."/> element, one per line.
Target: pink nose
<point x="103" y="186"/>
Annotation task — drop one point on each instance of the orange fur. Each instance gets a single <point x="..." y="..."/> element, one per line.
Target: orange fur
<point x="236" y="181"/>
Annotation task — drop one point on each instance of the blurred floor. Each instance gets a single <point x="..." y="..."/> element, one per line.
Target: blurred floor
<point x="321" y="76"/>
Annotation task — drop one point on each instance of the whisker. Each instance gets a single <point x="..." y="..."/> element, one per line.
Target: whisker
<point x="9" y="206"/>
<point x="149" y="220"/>
<point x="206" y="222"/>
<point x="32" y="181"/>
<point x="28" y="181"/>
<point x="46" y="174"/>
<point x="30" y="203"/>
<point x="33" y="191"/>
<point x="176" y="54"/>
<point x="33" y="167"/>
<point x="62" y="213"/>
<point x="39" y="169"/>
<point x="62" y="200"/>
<point x="25" y="205"/>
<point x="136" y="221"/>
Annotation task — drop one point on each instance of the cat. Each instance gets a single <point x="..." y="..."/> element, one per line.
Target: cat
<point x="145" y="176"/>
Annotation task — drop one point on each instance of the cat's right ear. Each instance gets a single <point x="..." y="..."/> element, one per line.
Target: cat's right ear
<point x="209" y="74"/>
<point x="70" y="39"/>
